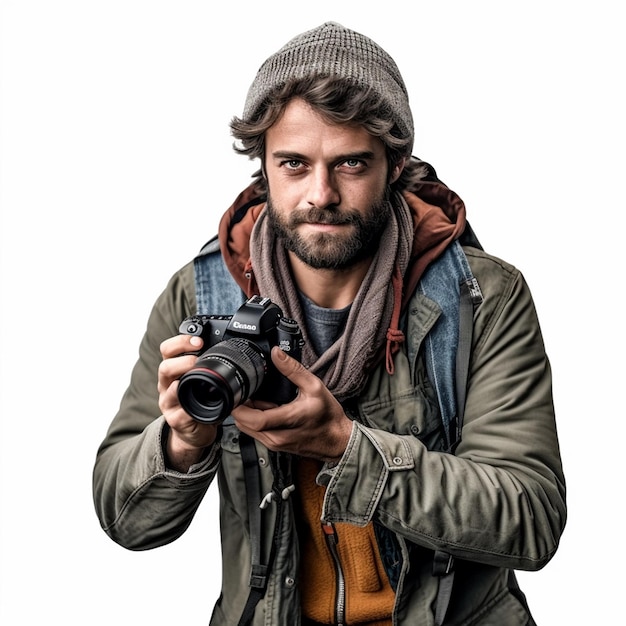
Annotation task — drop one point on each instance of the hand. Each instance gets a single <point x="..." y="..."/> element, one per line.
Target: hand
<point x="187" y="438"/>
<point x="313" y="425"/>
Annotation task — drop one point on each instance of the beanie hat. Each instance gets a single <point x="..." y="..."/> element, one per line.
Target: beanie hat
<point x="333" y="50"/>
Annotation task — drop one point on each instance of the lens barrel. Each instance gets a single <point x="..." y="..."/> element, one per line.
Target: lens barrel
<point x="223" y="377"/>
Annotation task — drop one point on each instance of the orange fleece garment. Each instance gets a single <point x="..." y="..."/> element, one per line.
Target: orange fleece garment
<point x="369" y="596"/>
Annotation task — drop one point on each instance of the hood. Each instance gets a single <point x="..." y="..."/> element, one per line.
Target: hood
<point x="438" y="219"/>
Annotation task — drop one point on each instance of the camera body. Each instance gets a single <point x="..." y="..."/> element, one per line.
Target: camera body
<point x="235" y="364"/>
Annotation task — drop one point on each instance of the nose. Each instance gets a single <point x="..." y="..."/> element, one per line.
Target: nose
<point x="322" y="191"/>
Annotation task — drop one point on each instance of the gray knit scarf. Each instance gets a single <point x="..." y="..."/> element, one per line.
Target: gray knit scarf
<point x="344" y="366"/>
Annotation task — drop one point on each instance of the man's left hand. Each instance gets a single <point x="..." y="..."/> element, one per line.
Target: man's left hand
<point x="313" y="425"/>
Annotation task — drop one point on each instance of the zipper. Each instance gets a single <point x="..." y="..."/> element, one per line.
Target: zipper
<point x="332" y="540"/>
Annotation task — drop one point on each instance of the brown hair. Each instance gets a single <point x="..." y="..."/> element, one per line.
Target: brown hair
<point x="337" y="100"/>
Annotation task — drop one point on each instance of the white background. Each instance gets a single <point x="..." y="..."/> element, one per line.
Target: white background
<point x="116" y="165"/>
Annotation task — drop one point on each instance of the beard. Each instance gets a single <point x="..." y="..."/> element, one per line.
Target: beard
<point x="336" y="251"/>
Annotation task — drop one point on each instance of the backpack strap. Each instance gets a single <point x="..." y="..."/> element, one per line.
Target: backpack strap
<point x="470" y="297"/>
<point x="449" y="282"/>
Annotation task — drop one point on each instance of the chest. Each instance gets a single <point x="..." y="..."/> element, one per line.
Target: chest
<point x="404" y="403"/>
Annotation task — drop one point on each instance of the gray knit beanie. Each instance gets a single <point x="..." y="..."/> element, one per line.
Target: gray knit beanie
<point x="333" y="50"/>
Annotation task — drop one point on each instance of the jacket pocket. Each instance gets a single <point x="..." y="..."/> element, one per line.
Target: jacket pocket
<point x="403" y="404"/>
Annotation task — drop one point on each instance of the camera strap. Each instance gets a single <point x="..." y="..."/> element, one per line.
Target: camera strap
<point x="256" y="503"/>
<point x="259" y="571"/>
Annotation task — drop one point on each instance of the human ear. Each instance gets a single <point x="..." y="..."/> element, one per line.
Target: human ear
<point x="396" y="170"/>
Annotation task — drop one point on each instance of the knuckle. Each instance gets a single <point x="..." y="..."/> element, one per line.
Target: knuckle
<point x="317" y="386"/>
<point x="163" y="370"/>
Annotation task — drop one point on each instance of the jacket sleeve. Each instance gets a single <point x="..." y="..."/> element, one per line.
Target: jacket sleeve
<point x="141" y="503"/>
<point x="501" y="499"/>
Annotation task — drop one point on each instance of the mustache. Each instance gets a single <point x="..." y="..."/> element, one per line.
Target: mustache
<point x="316" y="215"/>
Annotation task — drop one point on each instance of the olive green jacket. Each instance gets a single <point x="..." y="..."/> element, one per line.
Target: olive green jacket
<point x="497" y="504"/>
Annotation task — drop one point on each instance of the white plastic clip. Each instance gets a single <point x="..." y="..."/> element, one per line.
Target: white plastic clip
<point x="287" y="491"/>
<point x="271" y="496"/>
<point x="266" y="500"/>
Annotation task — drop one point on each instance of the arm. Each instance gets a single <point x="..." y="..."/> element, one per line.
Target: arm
<point x="501" y="499"/>
<point x="142" y="502"/>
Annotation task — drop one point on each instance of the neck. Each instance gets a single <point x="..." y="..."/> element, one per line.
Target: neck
<point x="329" y="288"/>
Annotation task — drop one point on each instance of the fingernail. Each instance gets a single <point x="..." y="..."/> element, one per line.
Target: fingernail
<point x="280" y="354"/>
<point x="195" y="341"/>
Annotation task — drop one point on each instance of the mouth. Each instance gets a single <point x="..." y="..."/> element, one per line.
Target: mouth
<point x="322" y="220"/>
<point x="323" y="227"/>
<point x="322" y="217"/>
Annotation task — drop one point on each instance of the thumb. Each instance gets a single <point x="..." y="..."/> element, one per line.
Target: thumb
<point x="287" y="365"/>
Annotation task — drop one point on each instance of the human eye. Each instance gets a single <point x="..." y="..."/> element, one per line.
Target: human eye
<point x="353" y="165"/>
<point x="291" y="164"/>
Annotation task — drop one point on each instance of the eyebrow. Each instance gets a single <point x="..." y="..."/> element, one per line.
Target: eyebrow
<point x="286" y="154"/>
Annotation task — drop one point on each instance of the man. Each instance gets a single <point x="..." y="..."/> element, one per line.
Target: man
<point x="417" y="465"/>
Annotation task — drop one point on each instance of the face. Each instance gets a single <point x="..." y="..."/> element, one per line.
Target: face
<point x="327" y="186"/>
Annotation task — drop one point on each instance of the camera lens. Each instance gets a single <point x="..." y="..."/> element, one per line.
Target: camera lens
<point x="223" y="377"/>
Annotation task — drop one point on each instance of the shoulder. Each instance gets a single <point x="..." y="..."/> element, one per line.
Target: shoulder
<point x="497" y="278"/>
<point x="182" y="283"/>
<point x="176" y="301"/>
<point x="507" y="300"/>
<point x="488" y="265"/>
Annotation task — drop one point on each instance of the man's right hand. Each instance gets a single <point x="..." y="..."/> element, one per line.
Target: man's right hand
<point x="187" y="439"/>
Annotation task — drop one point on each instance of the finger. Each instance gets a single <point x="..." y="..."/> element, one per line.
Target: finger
<point x="262" y="405"/>
<point x="308" y="384"/>
<point x="172" y="369"/>
<point x="168" y="397"/>
<point x="180" y="344"/>
<point x="251" y="419"/>
<point x="288" y="366"/>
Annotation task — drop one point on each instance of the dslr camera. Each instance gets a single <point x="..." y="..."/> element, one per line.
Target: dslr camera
<point x="237" y="364"/>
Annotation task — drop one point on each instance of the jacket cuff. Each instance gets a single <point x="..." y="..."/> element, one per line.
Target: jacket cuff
<point x="205" y="465"/>
<point x="355" y="485"/>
